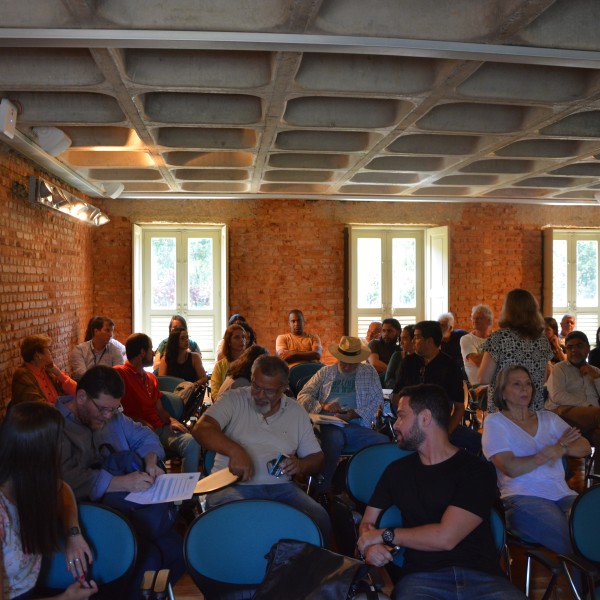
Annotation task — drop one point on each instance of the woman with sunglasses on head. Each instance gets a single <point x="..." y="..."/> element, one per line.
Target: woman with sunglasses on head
<point x="35" y="502"/>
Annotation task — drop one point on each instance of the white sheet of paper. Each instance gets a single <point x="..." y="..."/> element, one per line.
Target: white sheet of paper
<point x="326" y="420"/>
<point x="167" y="488"/>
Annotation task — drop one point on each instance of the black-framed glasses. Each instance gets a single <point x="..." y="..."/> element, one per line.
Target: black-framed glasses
<point x="105" y="410"/>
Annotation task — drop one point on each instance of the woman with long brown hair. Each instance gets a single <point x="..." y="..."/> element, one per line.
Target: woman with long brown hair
<point x="234" y="344"/>
<point x="34" y="502"/>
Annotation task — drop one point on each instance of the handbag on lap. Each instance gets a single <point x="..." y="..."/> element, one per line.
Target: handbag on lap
<point x="302" y="571"/>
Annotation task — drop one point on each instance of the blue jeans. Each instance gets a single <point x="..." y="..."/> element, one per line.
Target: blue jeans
<point x="455" y="583"/>
<point x="183" y="445"/>
<point x="335" y="439"/>
<point x="288" y="493"/>
<point x="543" y="521"/>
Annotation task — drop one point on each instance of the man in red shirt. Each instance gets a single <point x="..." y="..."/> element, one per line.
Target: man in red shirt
<point x="142" y="402"/>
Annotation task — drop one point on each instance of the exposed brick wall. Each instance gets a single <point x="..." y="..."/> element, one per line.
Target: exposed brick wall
<point x="46" y="283"/>
<point x="285" y="257"/>
<point x="56" y="273"/>
<point x="492" y="252"/>
<point x="111" y="260"/>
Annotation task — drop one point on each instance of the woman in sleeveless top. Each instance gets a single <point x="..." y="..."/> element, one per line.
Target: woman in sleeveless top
<point x="179" y="361"/>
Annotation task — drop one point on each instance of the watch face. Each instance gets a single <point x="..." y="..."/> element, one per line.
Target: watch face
<point x="388" y="536"/>
<point x="74" y="531"/>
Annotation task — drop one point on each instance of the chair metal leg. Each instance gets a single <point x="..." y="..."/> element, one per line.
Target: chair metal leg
<point x="528" y="576"/>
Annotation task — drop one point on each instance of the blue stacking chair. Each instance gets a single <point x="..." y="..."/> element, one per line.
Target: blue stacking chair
<point x="167" y="383"/>
<point x="366" y="467"/>
<point x="584" y="526"/>
<point x="172" y="403"/>
<point x="301" y="374"/>
<point x="363" y="471"/>
<point x="225" y="548"/>
<point x="113" y="543"/>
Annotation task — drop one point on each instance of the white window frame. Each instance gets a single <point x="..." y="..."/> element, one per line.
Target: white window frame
<point x="142" y="235"/>
<point x="587" y="318"/>
<point x="431" y="271"/>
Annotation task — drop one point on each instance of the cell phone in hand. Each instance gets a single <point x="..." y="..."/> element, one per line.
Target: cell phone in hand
<point x="274" y="466"/>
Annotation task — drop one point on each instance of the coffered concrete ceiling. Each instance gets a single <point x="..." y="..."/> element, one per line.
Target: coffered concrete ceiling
<point x="343" y="99"/>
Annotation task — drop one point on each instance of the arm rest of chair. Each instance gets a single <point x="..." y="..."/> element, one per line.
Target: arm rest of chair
<point x="552" y="565"/>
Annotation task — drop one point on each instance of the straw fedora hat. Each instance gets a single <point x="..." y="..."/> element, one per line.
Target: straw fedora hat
<point x="349" y="350"/>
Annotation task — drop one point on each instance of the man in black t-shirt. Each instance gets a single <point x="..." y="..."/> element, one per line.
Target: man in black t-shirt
<point x="445" y="496"/>
<point x="428" y="364"/>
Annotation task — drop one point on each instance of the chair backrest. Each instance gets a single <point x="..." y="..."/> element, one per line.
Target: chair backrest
<point x="366" y="467"/>
<point x="166" y="383"/>
<point x="113" y="544"/>
<point x="226" y="546"/>
<point x="301" y="374"/>
<point x="584" y="524"/>
<point x="498" y="531"/>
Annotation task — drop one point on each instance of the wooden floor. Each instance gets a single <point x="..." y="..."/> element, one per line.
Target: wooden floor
<point x="186" y="590"/>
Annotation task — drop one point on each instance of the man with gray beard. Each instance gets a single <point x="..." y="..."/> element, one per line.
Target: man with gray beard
<point x="249" y="428"/>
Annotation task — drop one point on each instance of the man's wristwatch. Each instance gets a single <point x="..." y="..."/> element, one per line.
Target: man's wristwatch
<point x="388" y="537"/>
<point x="74" y="531"/>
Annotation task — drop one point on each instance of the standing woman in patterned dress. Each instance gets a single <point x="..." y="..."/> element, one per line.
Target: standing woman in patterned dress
<point x="520" y="341"/>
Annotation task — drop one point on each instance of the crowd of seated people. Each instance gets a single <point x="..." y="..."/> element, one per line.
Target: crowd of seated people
<point x="550" y="418"/>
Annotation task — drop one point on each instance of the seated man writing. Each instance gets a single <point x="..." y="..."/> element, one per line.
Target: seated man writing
<point x="92" y="419"/>
<point x="445" y="496"/>
<point x="348" y="390"/>
<point x="249" y="427"/>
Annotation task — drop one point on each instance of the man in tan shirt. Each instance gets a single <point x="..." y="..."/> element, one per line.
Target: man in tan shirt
<point x="298" y="346"/>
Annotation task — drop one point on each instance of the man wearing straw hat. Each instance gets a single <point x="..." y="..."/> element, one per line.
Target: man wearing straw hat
<point x="350" y="391"/>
